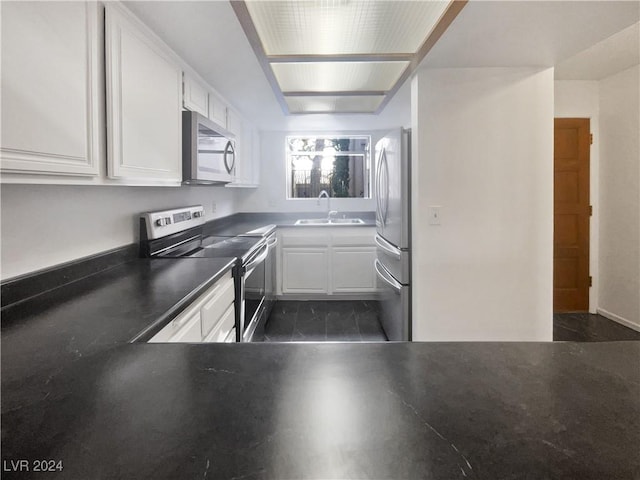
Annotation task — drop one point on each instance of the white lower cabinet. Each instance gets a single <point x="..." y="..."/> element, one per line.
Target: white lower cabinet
<point x="211" y="318"/>
<point x="327" y="260"/>
<point x="221" y="331"/>
<point x="305" y="270"/>
<point x="353" y="269"/>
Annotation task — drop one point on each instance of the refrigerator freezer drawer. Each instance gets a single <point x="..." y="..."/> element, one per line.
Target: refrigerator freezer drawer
<point x="395" y="306"/>
<point x="397" y="262"/>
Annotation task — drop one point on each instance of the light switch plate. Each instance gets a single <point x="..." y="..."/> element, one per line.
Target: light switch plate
<point x="434" y="215"/>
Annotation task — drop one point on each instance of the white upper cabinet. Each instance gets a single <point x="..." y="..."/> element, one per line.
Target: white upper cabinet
<point x="246" y="170"/>
<point x="144" y="102"/>
<point x="50" y="89"/>
<point x="195" y="95"/>
<point x="217" y="110"/>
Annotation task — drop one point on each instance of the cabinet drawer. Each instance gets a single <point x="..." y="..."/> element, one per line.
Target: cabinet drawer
<point x="311" y="238"/>
<point x="217" y="303"/>
<point x="184" y="328"/>
<point x="221" y="331"/>
<point x="364" y="237"/>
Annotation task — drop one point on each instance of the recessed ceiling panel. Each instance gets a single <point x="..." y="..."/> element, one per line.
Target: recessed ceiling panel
<point x="334" y="104"/>
<point x="337" y="76"/>
<point x="340" y="27"/>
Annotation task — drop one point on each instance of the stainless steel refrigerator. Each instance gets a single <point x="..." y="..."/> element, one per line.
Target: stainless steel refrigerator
<point x="393" y="236"/>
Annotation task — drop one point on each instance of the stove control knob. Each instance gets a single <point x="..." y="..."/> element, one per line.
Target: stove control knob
<point x="197" y="214"/>
<point x="161" y="222"/>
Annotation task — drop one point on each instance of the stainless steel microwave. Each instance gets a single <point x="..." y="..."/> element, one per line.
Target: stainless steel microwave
<point x="208" y="151"/>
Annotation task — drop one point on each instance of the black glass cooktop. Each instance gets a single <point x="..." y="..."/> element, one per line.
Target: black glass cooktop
<point x="216" y="247"/>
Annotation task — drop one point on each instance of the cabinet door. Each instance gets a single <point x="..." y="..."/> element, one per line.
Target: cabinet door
<point x="144" y="104"/>
<point x="186" y="327"/>
<point x="223" y="329"/>
<point x="217" y="302"/>
<point x="353" y="269"/>
<point x="50" y="88"/>
<point x="195" y="96"/>
<point x="236" y="127"/>
<point x="305" y="270"/>
<point x="217" y="110"/>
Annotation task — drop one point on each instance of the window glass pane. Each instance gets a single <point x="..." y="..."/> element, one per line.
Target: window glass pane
<point x="340" y="165"/>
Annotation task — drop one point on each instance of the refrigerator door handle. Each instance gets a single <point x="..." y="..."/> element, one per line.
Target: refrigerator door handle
<point x="386" y="276"/>
<point x="378" y="189"/>
<point x="384" y="164"/>
<point x="387" y="247"/>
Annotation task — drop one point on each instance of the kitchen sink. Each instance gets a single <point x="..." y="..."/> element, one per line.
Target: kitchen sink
<point x="347" y="221"/>
<point x="333" y="221"/>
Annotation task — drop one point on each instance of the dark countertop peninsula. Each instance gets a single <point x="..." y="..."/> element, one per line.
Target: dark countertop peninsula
<point x="74" y="390"/>
<point x="45" y="334"/>
<point x="380" y="411"/>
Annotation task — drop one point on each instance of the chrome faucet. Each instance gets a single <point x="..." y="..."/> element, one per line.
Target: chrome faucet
<point x="324" y="193"/>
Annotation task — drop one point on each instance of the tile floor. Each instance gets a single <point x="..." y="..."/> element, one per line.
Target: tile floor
<point x="357" y="321"/>
<point x="324" y="321"/>
<point x="588" y="327"/>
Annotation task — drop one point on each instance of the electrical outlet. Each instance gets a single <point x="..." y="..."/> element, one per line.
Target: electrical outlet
<point x="213" y="207"/>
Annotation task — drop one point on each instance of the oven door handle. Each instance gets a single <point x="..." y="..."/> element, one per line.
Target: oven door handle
<point x="259" y="259"/>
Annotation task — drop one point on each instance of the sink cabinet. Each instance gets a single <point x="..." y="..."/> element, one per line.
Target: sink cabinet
<point x="327" y="262"/>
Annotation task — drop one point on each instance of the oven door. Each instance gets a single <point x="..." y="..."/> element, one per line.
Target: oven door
<point x="253" y="292"/>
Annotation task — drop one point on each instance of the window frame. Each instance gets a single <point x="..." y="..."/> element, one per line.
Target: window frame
<point x="367" y="162"/>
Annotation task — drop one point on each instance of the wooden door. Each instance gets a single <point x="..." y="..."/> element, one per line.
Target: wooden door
<point x="571" y="215"/>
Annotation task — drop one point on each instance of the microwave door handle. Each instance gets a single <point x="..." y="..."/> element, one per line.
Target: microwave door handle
<point x="229" y="152"/>
<point x="261" y="258"/>
<point x="384" y="275"/>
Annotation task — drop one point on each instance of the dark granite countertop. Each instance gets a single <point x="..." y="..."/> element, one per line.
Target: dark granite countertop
<point x="291" y="411"/>
<point x="75" y="390"/>
<point x="45" y="334"/>
<point x="245" y="222"/>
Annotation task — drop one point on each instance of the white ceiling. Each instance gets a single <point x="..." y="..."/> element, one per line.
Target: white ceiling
<point x="614" y="54"/>
<point x="209" y="37"/>
<point x="528" y="33"/>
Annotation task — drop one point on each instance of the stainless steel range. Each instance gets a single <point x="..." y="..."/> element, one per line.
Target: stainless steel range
<point x="178" y="233"/>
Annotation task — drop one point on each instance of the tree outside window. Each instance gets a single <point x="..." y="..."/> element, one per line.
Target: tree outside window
<point x="338" y="164"/>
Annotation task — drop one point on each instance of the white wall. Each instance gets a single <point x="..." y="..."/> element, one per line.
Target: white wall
<point x="619" y="294"/>
<point x="271" y="195"/>
<point x="483" y="151"/>
<point x="580" y="99"/>
<point x="44" y="225"/>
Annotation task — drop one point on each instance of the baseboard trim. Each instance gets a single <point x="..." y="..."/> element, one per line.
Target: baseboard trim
<point x="619" y="319"/>
<point x="321" y="297"/>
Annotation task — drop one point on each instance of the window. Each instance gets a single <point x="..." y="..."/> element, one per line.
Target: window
<point x="340" y="165"/>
